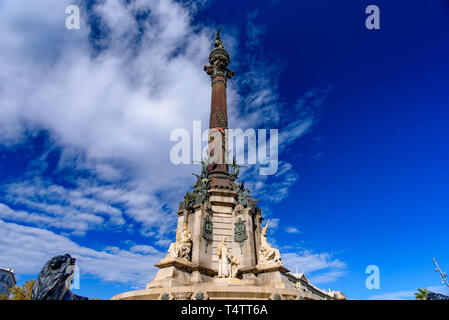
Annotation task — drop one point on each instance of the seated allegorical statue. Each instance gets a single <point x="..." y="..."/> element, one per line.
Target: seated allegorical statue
<point x="234" y="266"/>
<point x="266" y="252"/>
<point x="182" y="246"/>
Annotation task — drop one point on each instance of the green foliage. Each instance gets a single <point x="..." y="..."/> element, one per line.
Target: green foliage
<point x="23" y="292"/>
<point x="4" y="296"/>
<point x="421" y="294"/>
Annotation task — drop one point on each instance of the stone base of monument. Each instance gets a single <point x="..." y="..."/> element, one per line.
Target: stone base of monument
<point x="181" y="280"/>
<point x="273" y="275"/>
<point x="214" y="292"/>
<point x="228" y="281"/>
<point x="196" y="278"/>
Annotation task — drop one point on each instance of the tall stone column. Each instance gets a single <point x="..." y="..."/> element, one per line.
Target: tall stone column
<point x="218" y="122"/>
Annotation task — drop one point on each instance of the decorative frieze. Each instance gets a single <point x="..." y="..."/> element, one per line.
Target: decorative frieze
<point x="240" y="233"/>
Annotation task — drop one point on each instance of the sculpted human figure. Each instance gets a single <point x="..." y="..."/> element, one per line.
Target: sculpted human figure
<point x="198" y="184"/>
<point x="208" y="208"/>
<point x="174" y="248"/>
<point x="236" y="169"/>
<point x="238" y="210"/>
<point x="223" y="259"/>
<point x="183" y="244"/>
<point x="266" y="252"/>
<point x="234" y="266"/>
<point x="218" y="43"/>
<point x="204" y="170"/>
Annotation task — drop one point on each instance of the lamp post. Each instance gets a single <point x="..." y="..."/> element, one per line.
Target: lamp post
<point x="442" y="274"/>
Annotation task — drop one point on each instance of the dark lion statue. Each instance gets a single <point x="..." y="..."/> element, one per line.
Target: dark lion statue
<point x="55" y="279"/>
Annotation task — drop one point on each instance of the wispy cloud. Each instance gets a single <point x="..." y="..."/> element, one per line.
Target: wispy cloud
<point x="292" y="230"/>
<point x="26" y="249"/>
<point x="88" y="206"/>
<point x="408" y="294"/>
<point x="319" y="267"/>
<point x="439" y="289"/>
<point x="107" y="97"/>
<point x="397" y="295"/>
<point x="109" y="108"/>
<point x="271" y="188"/>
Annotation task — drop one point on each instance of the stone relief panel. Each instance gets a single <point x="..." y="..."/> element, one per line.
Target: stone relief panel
<point x="240" y="234"/>
<point x="208" y="228"/>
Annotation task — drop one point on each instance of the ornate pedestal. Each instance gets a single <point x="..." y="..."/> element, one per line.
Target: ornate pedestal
<point x="179" y="278"/>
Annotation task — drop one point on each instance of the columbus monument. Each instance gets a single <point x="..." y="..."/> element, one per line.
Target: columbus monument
<point x="221" y="249"/>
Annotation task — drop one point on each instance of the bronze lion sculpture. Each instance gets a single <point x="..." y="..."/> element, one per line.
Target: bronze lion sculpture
<point x="55" y="279"/>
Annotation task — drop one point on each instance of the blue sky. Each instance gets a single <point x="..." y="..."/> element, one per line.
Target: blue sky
<point x="86" y="116"/>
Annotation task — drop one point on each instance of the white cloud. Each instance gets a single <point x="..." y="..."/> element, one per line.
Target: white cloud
<point x="304" y="114"/>
<point x="319" y="267"/>
<point x="77" y="221"/>
<point x="442" y="289"/>
<point x="86" y="207"/>
<point x="144" y="249"/>
<point x="118" y="105"/>
<point x="397" y="295"/>
<point x="271" y="188"/>
<point x="293" y="230"/>
<point x="110" y="113"/>
<point x="26" y="249"/>
<point x="408" y="294"/>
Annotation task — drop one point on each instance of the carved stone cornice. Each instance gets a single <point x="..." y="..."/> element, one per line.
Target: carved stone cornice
<point x="181" y="263"/>
<point x="222" y="192"/>
<point x="269" y="267"/>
